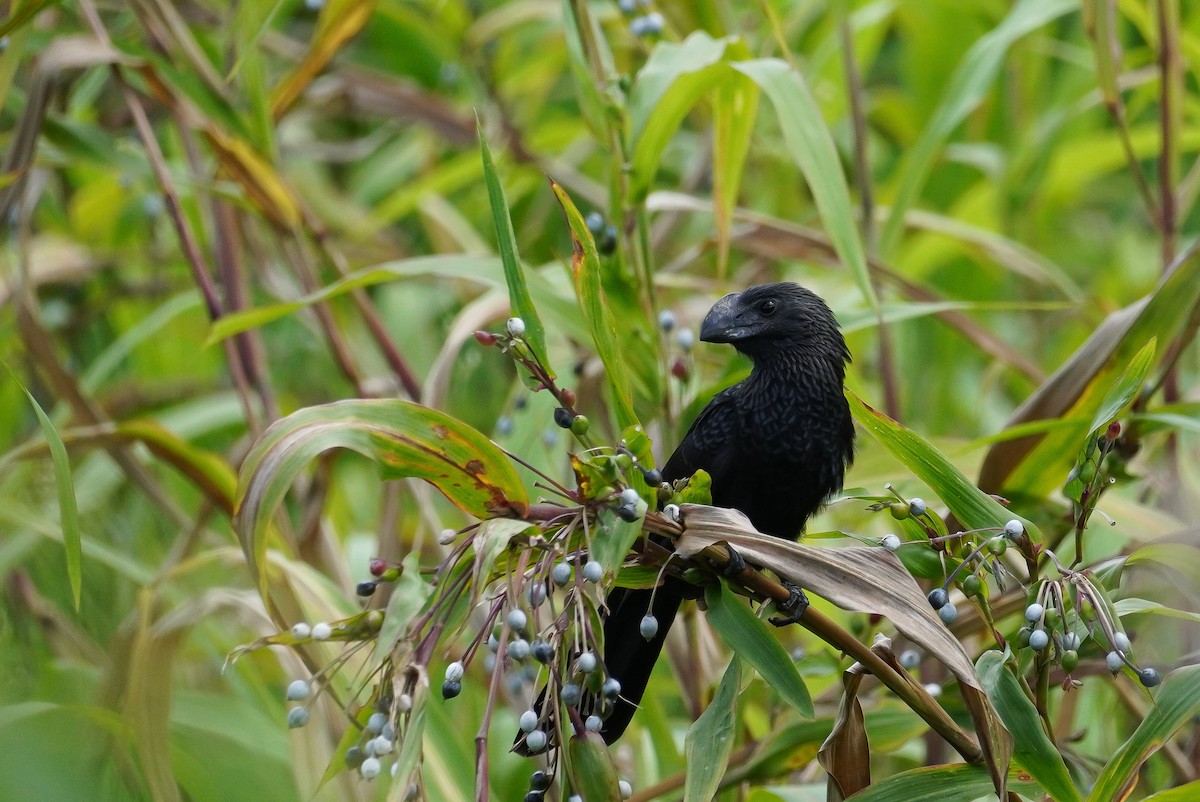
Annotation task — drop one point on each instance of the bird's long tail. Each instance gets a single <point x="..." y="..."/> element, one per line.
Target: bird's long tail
<point x="628" y="656"/>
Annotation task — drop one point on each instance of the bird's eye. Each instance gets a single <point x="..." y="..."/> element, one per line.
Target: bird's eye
<point x="767" y="307"/>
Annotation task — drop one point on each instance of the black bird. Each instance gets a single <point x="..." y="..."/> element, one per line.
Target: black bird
<point x="776" y="445"/>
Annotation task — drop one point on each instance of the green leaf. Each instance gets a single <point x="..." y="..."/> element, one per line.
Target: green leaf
<point x="709" y="741"/>
<point x="749" y="637"/>
<point x="1177" y="701"/>
<point x="591" y="769"/>
<point x="585" y="270"/>
<point x="735" y="106"/>
<point x="518" y="291"/>
<point x="1031" y="747"/>
<point x="404" y="439"/>
<point x="947" y="783"/>
<point x="965" y="90"/>
<point x="970" y="505"/>
<point x="669" y="85"/>
<point x="479" y="269"/>
<point x="407" y="599"/>
<point x="1122" y="394"/>
<point x="614" y="536"/>
<point x="808" y="140"/>
<point x="68" y="510"/>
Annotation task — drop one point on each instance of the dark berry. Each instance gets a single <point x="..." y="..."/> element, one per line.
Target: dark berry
<point x="608" y="241"/>
<point x="652" y="477"/>
<point x="563" y="417"/>
<point x="365" y="589"/>
<point x="354" y="757"/>
<point x="451" y="688"/>
<point x="627" y="512"/>
<point x="534" y="796"/>
<point x="377" y="567"/>
<point x="938" y="598"/>
<point x="540" y="781"/>
<point x="1149" y="677"/>
<point x="542" y="651"/>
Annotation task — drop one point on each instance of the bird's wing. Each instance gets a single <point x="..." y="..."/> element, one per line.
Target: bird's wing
<point x="711" y="442"/>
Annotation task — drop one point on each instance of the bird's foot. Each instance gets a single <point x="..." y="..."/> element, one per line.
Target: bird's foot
<point x="736" y="563"/>
<point x="792" y="609"/>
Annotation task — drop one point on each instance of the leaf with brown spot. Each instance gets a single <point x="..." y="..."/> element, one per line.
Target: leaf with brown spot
<point x="463" y="464"/>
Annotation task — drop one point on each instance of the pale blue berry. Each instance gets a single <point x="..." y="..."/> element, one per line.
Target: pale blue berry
<point x="1121" y="642"/>
<point x="517" y="620"/>
<point x="1114" y="661"/>
<point x="297" y="717"/>
<point x="515" y="326"/>
<point x="375" y="723"/>
<point x="593" y="571"/>
<point x="948" y="612"/>
<point x="587" y="662"/>
<point x="529" y="721"/>
<point x="301" y="630"/>
<point x="518" y="649"/>
<point x="454" y="671"/>
<point x="1038" y="640"/>
<point x="561" y="573"/>
<point x="536" y="741"/>
<point x="666" y="320"/>
<point x="1033" y="612"/>
<point x="1014" y="528"/>
<point x="298" y="691"/>
<point x="890" y="542"/>
<point x="370" y="768"/>
<point x="916" y="506"/>
<point x="649" y="627"/>
<point x="321" y="631"/>
<point x="593" y="723"/>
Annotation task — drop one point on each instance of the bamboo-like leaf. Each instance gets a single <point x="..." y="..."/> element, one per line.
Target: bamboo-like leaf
<point x="970" y="505"/>
<point x="261" y="182"/>
<point x="735" y="106"/>
<point x="945" y="783"/>
<point x="340" y="21"/>
<point x="965" y="90"/>
<point x="68" y="511"/>
<point x="404" y="439"/>
<point x="709" y="740"/>
<point x="478" y="269"/>
<point x="585" y="269"/>
<point x="811" y="145"/>
<point x="1031" y="747"/>
<point x="514" y="274"/>
<point x="1175" y="704"/>
<point x="749" y="638"/>
<point x="669" y="85"/>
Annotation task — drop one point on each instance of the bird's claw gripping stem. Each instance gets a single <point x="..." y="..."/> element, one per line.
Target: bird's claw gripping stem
<point x="736" y="563"/>
<point x="793" y="608"/>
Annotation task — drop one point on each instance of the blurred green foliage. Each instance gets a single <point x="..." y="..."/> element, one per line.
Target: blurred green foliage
<point x="983" y="198"/>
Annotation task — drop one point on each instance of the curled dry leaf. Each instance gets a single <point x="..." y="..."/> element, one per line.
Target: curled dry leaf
<point x="868" y="580"/>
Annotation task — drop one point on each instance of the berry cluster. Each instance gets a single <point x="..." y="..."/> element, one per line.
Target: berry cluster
<point x="646" y="25"/>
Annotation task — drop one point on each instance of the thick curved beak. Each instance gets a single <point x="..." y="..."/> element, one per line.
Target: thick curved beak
<point x="720" y="324"/>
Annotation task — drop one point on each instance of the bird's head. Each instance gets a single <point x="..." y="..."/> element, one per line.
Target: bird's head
<point x="772" y="318"/>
